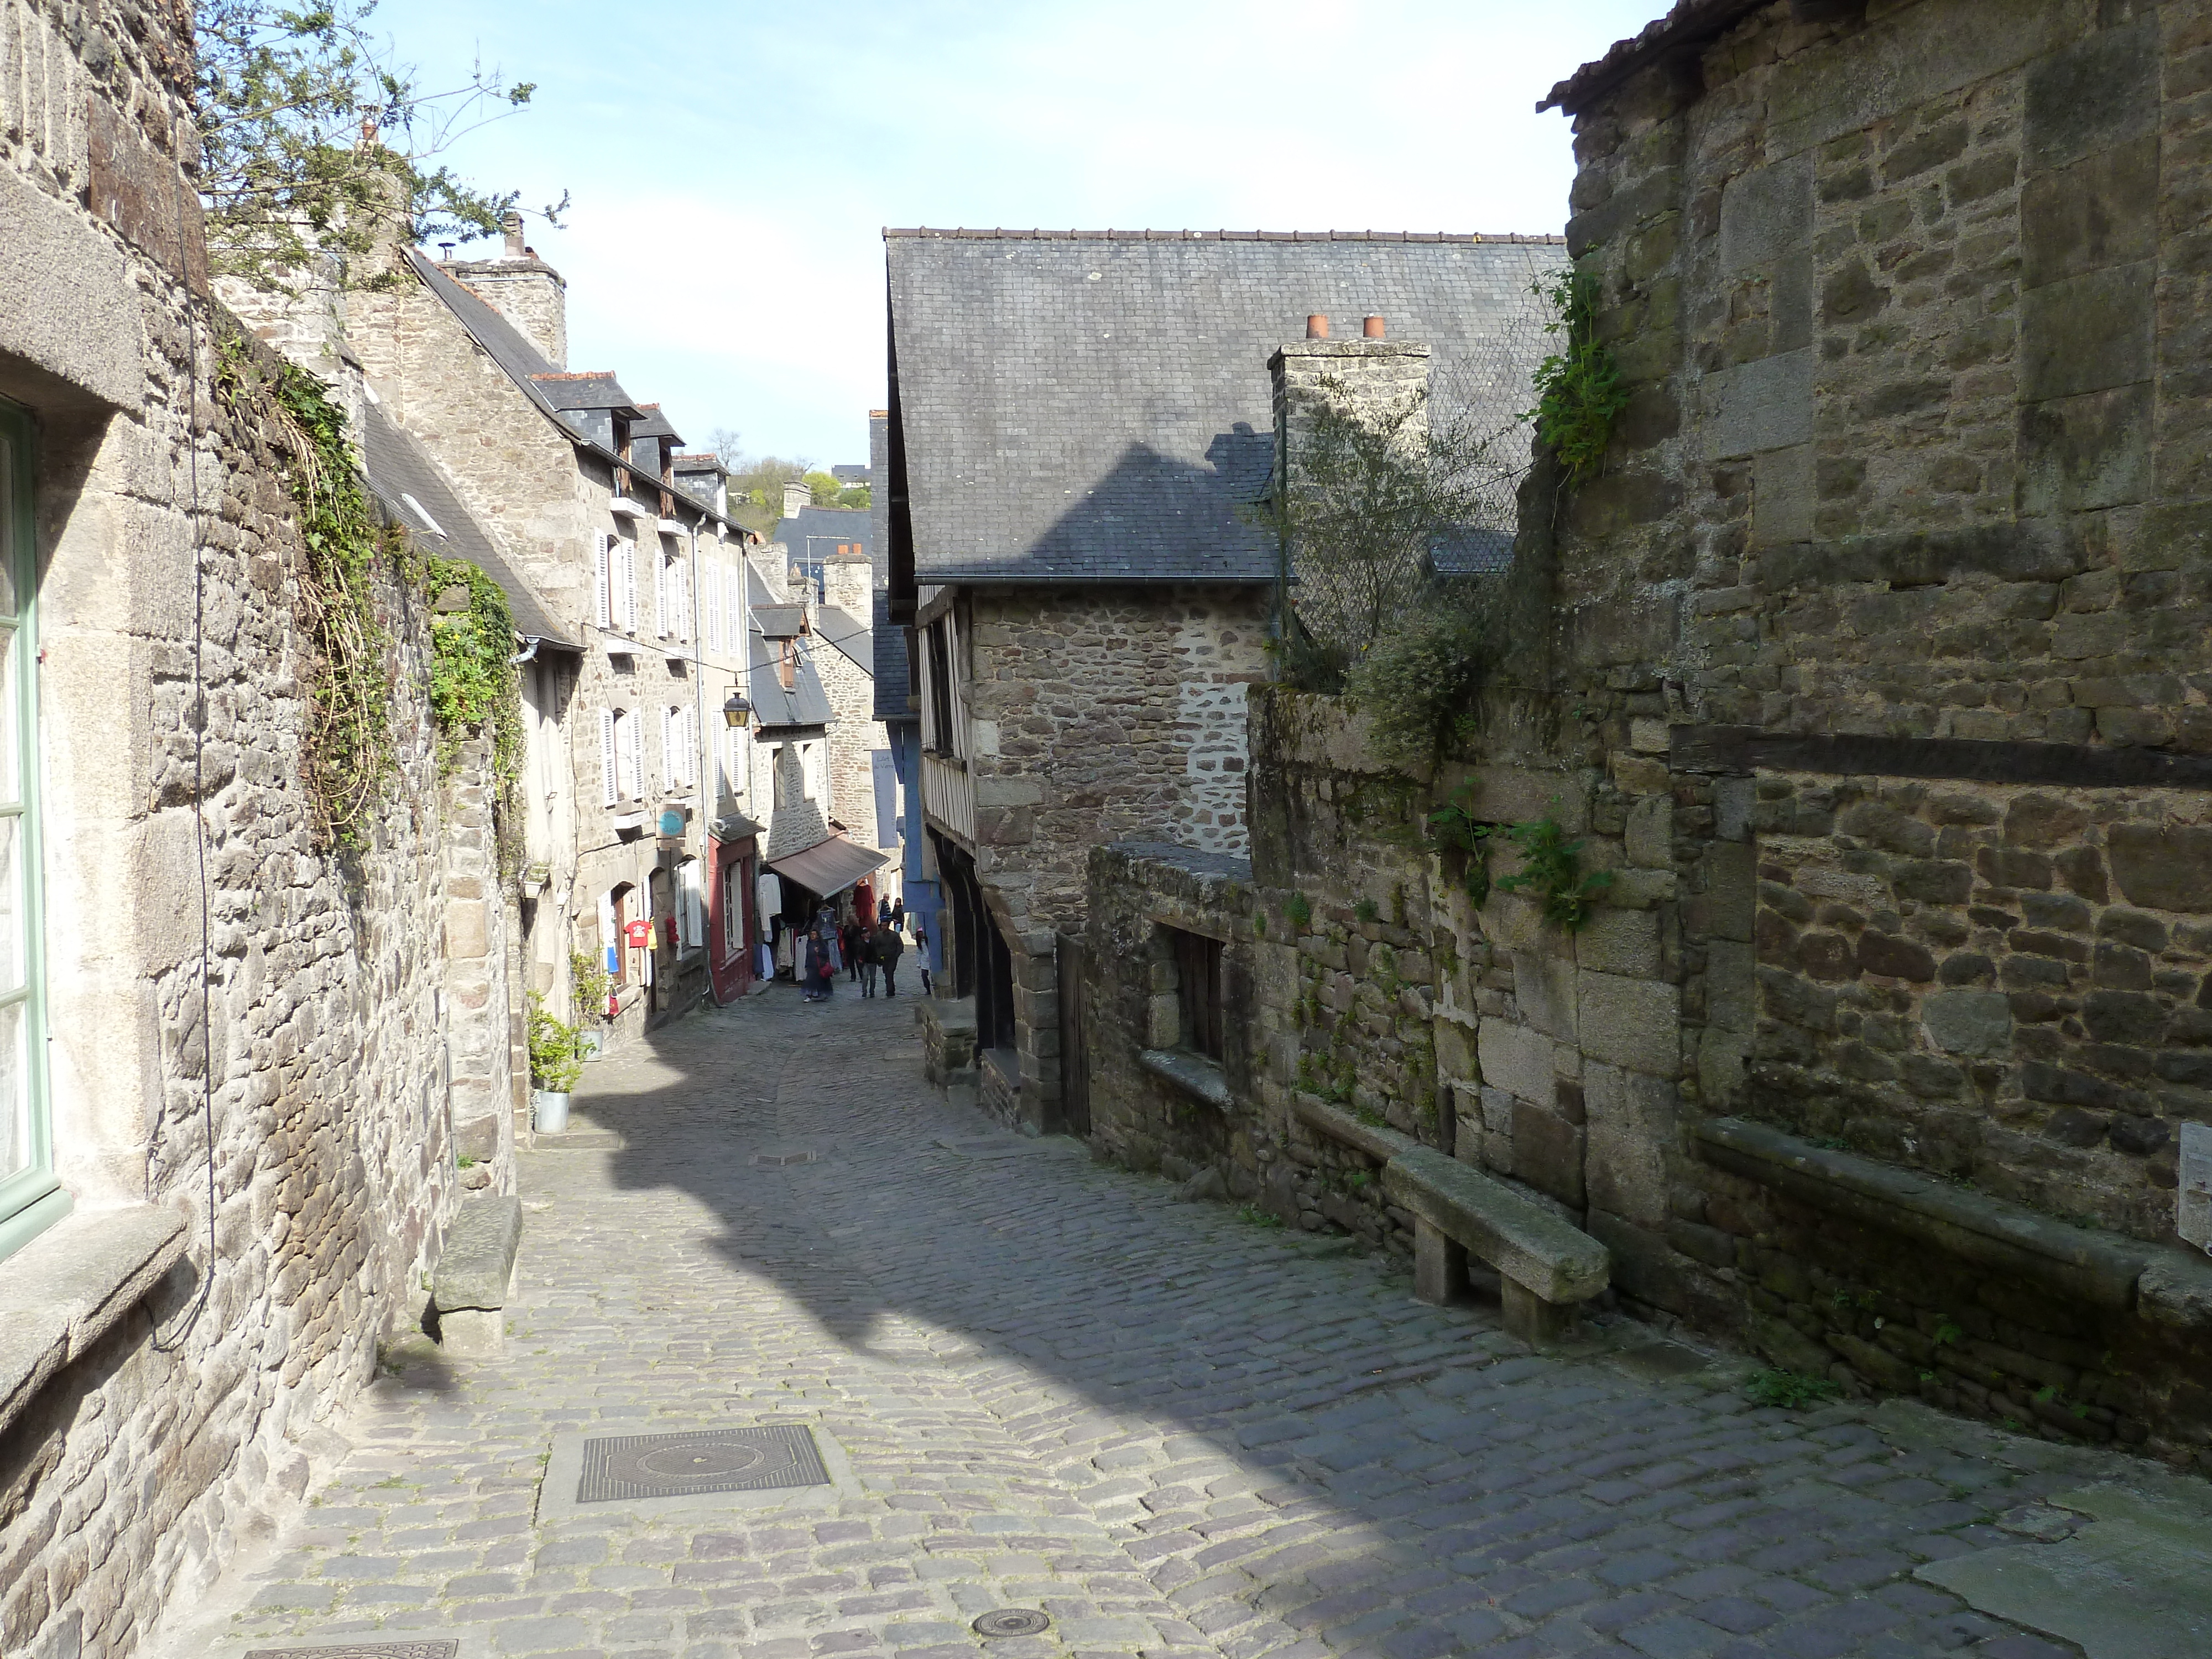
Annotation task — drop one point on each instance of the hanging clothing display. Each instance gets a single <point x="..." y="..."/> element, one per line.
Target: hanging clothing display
<point x="767" y="892"/>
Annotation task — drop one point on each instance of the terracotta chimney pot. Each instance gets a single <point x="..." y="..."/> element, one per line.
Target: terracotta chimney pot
<point x="1372" y="328"/>
<point x="1317" y="326"/>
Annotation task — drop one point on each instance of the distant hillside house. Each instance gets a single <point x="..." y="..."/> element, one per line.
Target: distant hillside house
<point x="1080" y="425"/>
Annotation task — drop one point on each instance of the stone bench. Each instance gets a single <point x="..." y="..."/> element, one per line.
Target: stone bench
<point x="476" y="1277"/>
<point x="1545" y="1265"/>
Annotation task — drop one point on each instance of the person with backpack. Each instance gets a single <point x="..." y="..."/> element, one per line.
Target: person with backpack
<point x="889" y="946"/>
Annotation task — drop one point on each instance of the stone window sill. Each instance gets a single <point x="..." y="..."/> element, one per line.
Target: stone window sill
<point x="64" y="1291"/>
<point x="1194" y="1074"/>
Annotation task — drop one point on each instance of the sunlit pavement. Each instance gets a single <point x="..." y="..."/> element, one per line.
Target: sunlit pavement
<point x="1043" y="1384"/>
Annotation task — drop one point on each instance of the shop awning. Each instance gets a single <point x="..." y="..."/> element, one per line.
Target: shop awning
<point x="828" y="867"/>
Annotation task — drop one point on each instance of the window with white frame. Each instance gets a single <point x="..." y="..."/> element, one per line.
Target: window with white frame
<point x="690" y="906"/>
<point x="31" y="1197"/>
<point x="625" y="583"/>
<point x="603" y="553"/>
<point x="629" y="764"/>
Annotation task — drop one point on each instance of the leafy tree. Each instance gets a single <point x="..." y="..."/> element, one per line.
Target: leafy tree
<point x="825" y="488"/>
<point x="854" y="495"/>
<point x="316" y="141"/>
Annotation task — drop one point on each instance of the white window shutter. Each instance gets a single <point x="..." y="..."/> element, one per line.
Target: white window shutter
<point x="610" y="784"/>
<point x="691" y="746"/>
<point x="633" y="756"/>
<point x="628" y="584"/>
<point x="668" y="746"/>
<point x="659" y="595"/>
<point x="602" y="555"/>
<point x="714" y="611"/>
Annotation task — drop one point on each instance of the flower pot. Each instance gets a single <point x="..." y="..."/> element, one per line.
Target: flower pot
<point x="549" y="1112"/>
<point x="590" y="1044"/>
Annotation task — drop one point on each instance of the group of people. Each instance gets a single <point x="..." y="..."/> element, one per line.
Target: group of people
<point x="862" y="949"/>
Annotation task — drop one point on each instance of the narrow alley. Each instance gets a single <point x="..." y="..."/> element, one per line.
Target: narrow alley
<point x="1041" y="1383"/>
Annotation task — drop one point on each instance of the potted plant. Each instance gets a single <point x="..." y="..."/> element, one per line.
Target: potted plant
<point x="555" y="1065"/>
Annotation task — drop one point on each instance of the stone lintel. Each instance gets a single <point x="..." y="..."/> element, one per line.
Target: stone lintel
<point x="64" y="1290"/>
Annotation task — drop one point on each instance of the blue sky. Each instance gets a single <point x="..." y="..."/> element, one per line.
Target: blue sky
<point x="733" y="166"/>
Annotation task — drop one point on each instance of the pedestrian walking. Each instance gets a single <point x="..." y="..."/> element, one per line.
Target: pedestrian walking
<point x="889" y="946"/>
<point x="921" y="955"/>
<point x="850" y="938"/>
<point x="822" y="964"/>
<point x="865" y="951"/>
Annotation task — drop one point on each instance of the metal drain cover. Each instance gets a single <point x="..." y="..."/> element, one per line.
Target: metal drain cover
<point x="433" y="1650"/>
<point x="1011" y="1621"/>
<point x="780" y="1160"/>
<point x="634" y="1466"/>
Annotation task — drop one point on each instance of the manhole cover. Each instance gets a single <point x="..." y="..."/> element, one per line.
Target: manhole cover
<point x="636" y="1466"/>
<point x="1011" y="1621"/>
<point x="435" y="1649"/>
<point x="780" y="1160"/>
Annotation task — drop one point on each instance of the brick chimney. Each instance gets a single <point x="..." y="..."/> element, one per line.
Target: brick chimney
<point x="796" y="496"/>
<point x="523" y="289"/>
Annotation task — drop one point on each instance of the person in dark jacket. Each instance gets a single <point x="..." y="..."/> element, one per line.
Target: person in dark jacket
<point x="852" y="939"/>
<point x="865" y="954"/>
<point x="889" y="944"/>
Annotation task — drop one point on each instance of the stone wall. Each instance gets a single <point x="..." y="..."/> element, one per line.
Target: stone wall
<point x="286" y="1065"/>
<point x="1104" y="713"/>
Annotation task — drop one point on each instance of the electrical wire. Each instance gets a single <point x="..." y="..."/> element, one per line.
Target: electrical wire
<point x="175" y="1339"/>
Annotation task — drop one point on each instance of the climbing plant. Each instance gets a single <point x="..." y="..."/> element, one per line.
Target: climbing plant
<point x="348" y="763"/>
<point x="473" y="687"/>
<point x="1579" y="394"/>
<point x="1552" y="871"/>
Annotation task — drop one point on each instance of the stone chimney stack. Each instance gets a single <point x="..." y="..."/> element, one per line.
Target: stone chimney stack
<point x="523" y="289"/>
<point x="1373" y="380"/>
<point x="846" y="583"/>
<point x="796" y="496"/>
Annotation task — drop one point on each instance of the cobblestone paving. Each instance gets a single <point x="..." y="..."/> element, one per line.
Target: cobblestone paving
<point x="1175" y="1432"/>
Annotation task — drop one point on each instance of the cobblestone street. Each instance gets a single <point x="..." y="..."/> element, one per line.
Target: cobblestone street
<point x="1173" y="1430"/>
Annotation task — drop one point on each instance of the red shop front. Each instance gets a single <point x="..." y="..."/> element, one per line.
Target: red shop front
<point x="732" y="929"/>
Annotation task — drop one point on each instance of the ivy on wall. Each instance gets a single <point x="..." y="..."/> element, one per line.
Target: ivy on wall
<point x="1579" y="394"/>
<point x="351" y="761"/>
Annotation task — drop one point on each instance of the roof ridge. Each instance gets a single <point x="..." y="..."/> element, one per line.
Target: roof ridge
<point x="1520" y="238"/>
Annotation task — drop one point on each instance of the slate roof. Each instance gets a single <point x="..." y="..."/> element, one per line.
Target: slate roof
<point x="1468" y="552"/>
<point x="850" y="474"/>
<point x="652" y="423"/>
<point x="805" y="704"/>
<point x="527" y="367"/>
<point x="815" y="533"/>
<point x="1095" y="406"/>
<point x="398" y="467"/>
<point x="780" y="622"/>
<point x="582" y="391"/>
<point x="848" y="634"/>
<point x="894" y="675"/>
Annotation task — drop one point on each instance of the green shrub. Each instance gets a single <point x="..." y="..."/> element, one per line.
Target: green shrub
<point x="1790" y="1390"/>
<point x="556" y="1058"/>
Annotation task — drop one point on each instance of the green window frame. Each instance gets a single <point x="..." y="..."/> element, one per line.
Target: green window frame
<point x="31" y="1199"/>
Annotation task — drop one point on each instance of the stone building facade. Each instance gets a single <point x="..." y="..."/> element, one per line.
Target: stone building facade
<point x="1084" y="559"/>
<point x="1870" y="680"/>
<point x="243" y="1155"/>
<point x="637" y="561"/>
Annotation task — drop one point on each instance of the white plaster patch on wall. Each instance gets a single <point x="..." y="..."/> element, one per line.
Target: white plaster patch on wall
<point x="1210" y="724"/>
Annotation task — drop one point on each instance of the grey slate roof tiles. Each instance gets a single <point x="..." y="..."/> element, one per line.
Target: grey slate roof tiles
<point x="848" y="634"/>
<point x="398" y="468"/>
<point x="1096" y="406"/>
<point x="893" y="675"/>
